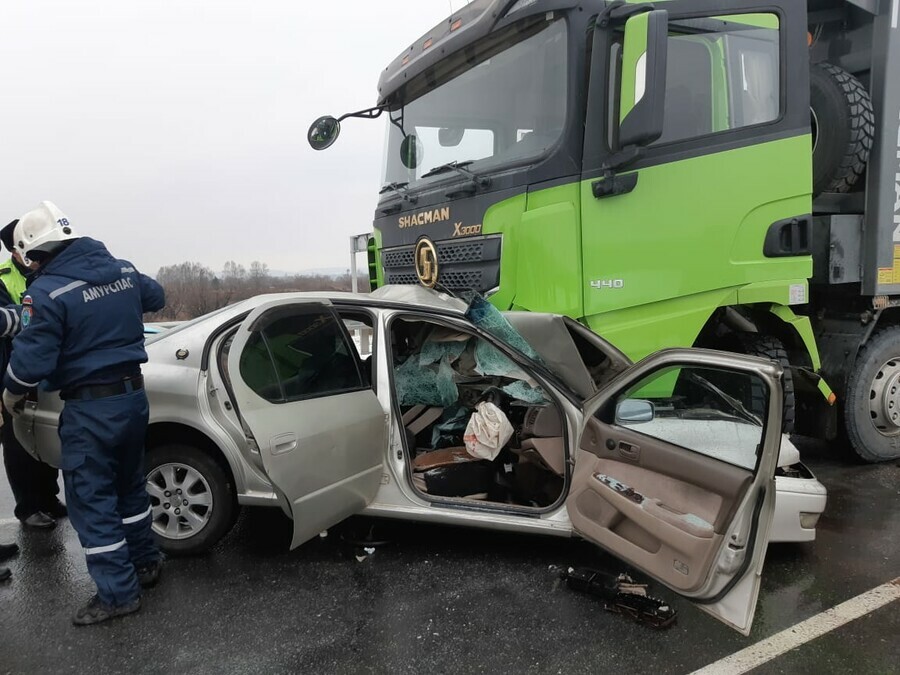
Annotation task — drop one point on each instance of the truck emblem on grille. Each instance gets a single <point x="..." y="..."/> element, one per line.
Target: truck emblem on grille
<point x="426" y="262"/>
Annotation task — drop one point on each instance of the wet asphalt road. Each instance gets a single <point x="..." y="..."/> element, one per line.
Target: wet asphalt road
<point x="442" y="600"/>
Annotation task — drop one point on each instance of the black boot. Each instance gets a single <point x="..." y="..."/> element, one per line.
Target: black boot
<point x="97" y="611"/>
<point x="148" y="574"/>
<point x="56" y="509"/>
<point x="5" y="574"/>
<point x="39" y="521"/>
<point x="7" y="551"/>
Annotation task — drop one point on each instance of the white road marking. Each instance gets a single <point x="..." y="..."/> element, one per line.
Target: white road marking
<point x="801" y="633"/>
<point x="895" y="12"/>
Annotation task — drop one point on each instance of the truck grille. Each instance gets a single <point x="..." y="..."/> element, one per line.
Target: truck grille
<point x="469" y="263"/>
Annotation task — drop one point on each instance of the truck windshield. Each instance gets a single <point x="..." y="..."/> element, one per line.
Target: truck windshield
<point x="506" y="105"/>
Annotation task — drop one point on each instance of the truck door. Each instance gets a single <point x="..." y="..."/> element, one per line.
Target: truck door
<point x="675" y="475"/>
<point x="676" y="224"/>
<point x="316" y="421"/>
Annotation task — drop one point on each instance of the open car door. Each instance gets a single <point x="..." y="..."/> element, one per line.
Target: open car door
<point x="304" y="402"/>
<point x="674" y="474"/>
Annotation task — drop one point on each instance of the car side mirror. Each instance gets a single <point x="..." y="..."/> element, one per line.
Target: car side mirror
<point x="634" y="411"/>
<point x="643" y="83"/>
<point x="323" y="132"/>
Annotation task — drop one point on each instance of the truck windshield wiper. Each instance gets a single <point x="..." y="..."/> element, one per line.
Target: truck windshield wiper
<point x="401" y="189"/>
<point x="459" y="167"/>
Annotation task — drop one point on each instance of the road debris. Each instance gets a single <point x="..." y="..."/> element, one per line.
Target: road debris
<point x="622" y="595"/>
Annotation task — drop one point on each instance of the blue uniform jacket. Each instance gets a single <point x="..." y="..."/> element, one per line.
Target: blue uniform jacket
<point x="82" y="320"/>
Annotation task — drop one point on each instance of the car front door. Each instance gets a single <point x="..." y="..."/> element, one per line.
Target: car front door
<point x="674" y="474"/>
<point x="306" y="406"/>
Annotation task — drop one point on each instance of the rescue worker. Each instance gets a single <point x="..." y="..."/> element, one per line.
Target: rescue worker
<point x="34" y="484"/>
<point x="83" y="334"/>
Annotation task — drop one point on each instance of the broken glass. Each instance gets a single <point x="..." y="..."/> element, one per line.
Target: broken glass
<point x="522" y="391"/>
<point x="426" y="385"/>
<point x="490" y="319"/>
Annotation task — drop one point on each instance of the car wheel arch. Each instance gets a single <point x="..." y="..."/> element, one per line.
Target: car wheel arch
<point x="164" y="433"/>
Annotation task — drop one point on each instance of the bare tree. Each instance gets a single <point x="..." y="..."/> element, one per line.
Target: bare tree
<point x="193" y="289"/>
<point x="259" y="274"/>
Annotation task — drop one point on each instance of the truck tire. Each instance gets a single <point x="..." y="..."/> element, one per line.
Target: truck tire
<point x="843" y="128"/>
<point x="768" y="347"/>
<point x="209" y="491"/>
<point x="872" y="402"/>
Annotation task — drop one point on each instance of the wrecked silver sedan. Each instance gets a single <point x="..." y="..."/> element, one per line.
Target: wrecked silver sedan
<point x="455" y="413"/>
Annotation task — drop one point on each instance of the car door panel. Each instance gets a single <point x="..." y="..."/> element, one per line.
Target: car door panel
<point x="711" y="489"/>
<point x="322" y="452"/>
<point x="681" y="514"/>
<point x="36" y="427"/>
<point x="670" y="548"/>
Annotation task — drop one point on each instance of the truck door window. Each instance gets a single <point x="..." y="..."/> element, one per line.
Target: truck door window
<point x="722" y="74"/>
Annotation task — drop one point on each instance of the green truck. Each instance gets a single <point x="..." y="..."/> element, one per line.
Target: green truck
<point x="646" y="169"/>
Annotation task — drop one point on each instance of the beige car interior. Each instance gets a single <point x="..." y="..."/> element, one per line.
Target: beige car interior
<point x="440" y="377"/>
<point x="662" y="507"/>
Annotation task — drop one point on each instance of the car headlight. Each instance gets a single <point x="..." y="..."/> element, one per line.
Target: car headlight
<point x="808" y="520"/>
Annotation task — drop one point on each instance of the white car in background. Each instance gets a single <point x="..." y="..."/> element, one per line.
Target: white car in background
<point x="671" y="464"/>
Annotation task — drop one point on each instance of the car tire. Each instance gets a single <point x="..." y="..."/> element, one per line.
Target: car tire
<point x="871" y="411"/>
<point x="207" y="487"/>
<point x="843" y="128"/>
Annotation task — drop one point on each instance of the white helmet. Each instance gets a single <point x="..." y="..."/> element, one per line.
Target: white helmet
<point x="42" y="230"/>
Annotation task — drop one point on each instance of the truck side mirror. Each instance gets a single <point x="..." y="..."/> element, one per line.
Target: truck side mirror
<point x="323" y="132"/>
<point x="643" y="83"/>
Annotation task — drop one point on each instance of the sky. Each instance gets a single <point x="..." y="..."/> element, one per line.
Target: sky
<point x="175" y="130"/>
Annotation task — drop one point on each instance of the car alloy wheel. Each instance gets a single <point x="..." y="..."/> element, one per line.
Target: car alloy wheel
<point x="181" y="500"/>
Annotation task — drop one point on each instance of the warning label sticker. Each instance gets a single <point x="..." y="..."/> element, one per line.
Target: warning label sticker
<point x="891" y="275"/>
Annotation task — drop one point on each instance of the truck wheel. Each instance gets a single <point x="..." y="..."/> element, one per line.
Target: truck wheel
<point x="193" y="498"/>
<point x="768" y="347"/>
<point x="872" y="404"/>
<point x="843" y="128"/>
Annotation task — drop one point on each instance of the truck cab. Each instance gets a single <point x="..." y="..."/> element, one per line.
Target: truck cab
<point x="661" y="173"/>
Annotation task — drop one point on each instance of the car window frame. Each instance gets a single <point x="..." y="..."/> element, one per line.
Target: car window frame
<point x="340" y="308"/>
<point x="282" y="311"/>
<point x="554" y="391"/>
<point x="607" y="415"/>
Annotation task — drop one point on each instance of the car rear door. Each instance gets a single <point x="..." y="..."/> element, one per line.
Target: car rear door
<point x="37" y="427"/>
<point x="318" y="426"/>
<point x="674" y="474"/>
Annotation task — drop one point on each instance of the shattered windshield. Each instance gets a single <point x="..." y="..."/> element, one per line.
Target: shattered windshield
<point x="491" y="320"/>
<point x="504" y="101"/>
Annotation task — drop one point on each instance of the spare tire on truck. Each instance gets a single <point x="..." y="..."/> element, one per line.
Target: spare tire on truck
<point x="843" y="128"/>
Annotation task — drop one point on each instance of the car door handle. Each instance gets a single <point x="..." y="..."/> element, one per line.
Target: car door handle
<point x="629" y="451"/>
<point x="283" y="443"/>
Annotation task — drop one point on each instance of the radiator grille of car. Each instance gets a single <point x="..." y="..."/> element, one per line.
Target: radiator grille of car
<point x="468" y="263"/>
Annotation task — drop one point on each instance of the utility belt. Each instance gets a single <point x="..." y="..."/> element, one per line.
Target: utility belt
<point x="93" y="391"/>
